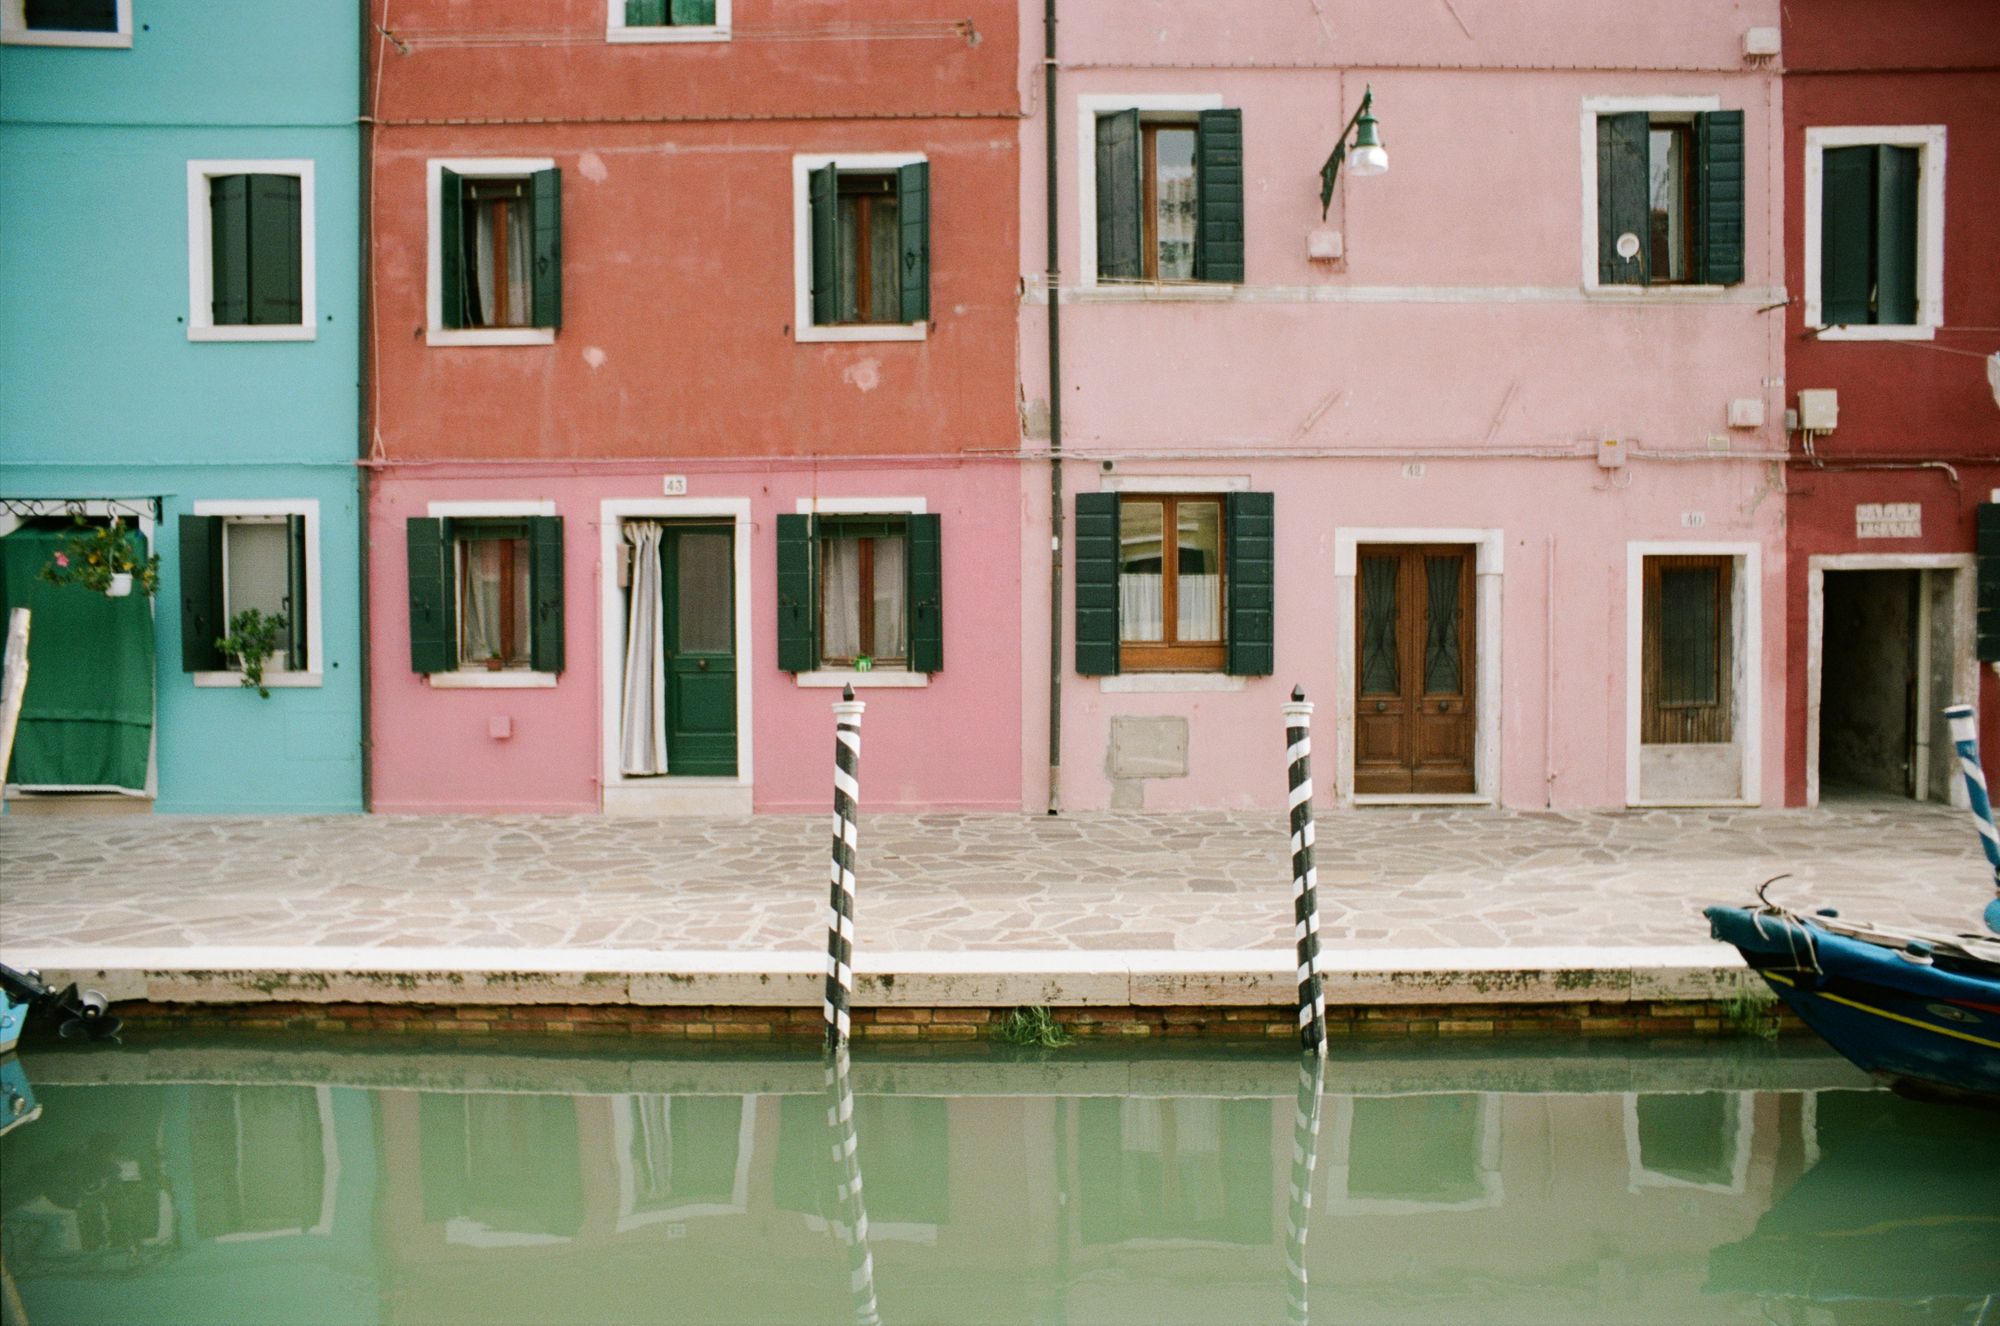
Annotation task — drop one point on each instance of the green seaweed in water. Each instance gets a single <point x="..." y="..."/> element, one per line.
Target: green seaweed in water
<point x="1034" y="1026"/>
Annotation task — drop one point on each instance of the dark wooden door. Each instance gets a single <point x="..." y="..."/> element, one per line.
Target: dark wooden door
<point x="698" y="583"/>
<point x="1413" y="707"/>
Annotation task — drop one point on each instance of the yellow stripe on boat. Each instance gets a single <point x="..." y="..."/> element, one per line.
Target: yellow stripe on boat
<point x="1893" y="1017"/>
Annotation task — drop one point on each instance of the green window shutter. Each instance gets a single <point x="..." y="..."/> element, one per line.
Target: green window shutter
<point x="433" y="628"/>
<point x="545" y="587"/>
<point x="275" y="276"/>
<point x="451" y="249"/>
<point x="913" y="212"/>
<point x="229" y="249"/>
<point x="1988" y="546"/>
<point x="545" y="200"/>
<point x="1218" y="163"/>
<point x="296" y="607"/>
<point x="1846" y="235"/>
<point x="1895" y="235"/>
<point x="1622" y="199"/>
<point x="645" y="13"/>
<point x="1120" y="193"/>
<point x="823" y="189"/>
<point x="1718" y="197"/>
<point x="1248" y="581"/>
<point x="925" y="567"/>
<point x="201" y="593"/>
<point x="798" y="614"/>
<point x="1096" y="561"/>
<point x="694" y="13"/>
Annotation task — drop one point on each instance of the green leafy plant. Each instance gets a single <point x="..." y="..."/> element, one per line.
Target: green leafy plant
<point x="253" y="637"/>
<point x="96" y="554"/>
<point x="1034" y="1026"/>
<point x="1751" y="1013"/>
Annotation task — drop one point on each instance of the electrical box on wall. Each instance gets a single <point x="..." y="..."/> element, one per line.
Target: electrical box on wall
<point x="1611" y="454"/>
<point x="1760" y="43"/>
<point x="1746" y="412"/>
<point x="1819" y="410"/>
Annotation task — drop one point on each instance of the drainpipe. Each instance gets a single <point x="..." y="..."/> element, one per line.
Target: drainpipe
<point x="364" y="475"/>
<point x="1053" y="281"/>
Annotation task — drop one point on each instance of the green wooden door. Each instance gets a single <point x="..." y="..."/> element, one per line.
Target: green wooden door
<point x="698" y="582"/>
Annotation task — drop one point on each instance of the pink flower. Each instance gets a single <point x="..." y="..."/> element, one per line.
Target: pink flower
<point x="62" y="559"/>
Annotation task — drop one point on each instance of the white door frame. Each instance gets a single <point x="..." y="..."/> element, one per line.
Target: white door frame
<point x="1746" y="667"/>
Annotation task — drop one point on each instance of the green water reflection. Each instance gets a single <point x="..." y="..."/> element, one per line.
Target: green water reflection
<point x="251" y="1182"/>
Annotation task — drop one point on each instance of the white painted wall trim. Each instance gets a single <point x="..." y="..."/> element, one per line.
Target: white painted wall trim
<point x="1490" y="544"/>
<point x="201" y="324"/>
<point x="474" y="510"/>
<point x="1088" y="108"/>
<point x="803" y="329"/>
<point x="14" y="30"/>
<point x="1174" y="483"/>
<point x="315" y="616"/>
<point x="1928" y="139"/>
<point x="616" y="31"/>
<point x="1587" y="214"/>
<point x="860" y="506"/>
<point x="478" y="168"/>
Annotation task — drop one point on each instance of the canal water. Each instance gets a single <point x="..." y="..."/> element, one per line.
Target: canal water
<point x="277" y="1182"/>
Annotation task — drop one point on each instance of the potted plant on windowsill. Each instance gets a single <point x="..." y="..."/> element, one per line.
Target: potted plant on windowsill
<point x="252" y="643"/>
<point x="102" y="559"/>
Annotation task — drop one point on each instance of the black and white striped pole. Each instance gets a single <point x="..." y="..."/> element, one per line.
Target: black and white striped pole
<point x="1305" y="881"/>
<point x="1965" y="738"/>
<point x="1305" y="1157"/>
<point x="846" y="836"/>
<point x="851" y="1213"/>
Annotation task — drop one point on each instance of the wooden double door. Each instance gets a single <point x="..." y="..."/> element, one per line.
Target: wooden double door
<point x="1414" y="724"/>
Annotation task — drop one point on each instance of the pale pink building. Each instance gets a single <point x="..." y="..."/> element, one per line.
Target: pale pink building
<point x="1501" y="433"/>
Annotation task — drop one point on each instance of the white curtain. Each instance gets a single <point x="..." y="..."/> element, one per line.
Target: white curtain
<point x="889" y="583"/>
<point x="841" y="599"/>
<point x="479" y="605"/>
<point x="1141" y="606"/>
<point x="1199" y="608"/>
<point x="642" y="747"/>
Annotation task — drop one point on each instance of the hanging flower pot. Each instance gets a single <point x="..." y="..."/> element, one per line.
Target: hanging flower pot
<point x="120" y="586"/>
<point x="104" y="559"/>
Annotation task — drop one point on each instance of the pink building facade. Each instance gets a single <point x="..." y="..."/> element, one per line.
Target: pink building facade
<point x="1505" y="422"/>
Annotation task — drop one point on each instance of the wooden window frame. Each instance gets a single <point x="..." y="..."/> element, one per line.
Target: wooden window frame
<point x="516" y="655"/>
<point x="1149" y="190"/>
<point x="1683" y="722"/>
<point x="867" y="530"/>
<point x="501" y="195"/>
<point x="1169" y="654"/>
<point x="866" y="187"/>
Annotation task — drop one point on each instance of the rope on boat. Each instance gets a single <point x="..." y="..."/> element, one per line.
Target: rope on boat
<point x="846" y="838"/>
<point x="1305" y="879"/>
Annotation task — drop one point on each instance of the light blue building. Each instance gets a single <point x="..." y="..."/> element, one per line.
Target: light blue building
<point x="180" y="349"/>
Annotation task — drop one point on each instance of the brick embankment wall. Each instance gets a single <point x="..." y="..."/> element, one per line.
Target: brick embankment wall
<point x="714" y="1023"/>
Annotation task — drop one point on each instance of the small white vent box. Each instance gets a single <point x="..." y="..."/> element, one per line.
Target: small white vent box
<point x="1760" y="42"/>
<point x="1819" y="410"/>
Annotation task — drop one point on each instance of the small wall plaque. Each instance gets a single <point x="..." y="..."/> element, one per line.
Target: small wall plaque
<point x="676" y="485"/>
<point x="1888" y="520"/>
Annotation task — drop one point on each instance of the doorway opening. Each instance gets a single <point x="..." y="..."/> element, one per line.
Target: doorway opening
<point x="1886" y="651"/>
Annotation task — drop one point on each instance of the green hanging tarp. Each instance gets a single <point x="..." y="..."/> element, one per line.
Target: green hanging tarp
<point x="87" y="719"/>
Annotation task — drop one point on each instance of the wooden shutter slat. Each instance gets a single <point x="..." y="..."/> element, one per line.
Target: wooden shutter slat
<point x="913" y="212"/>
<point x="296" y="607"/>
<point x="545" y="202"/>
<point x="201" y="592"/>
<point x="1218" y="236"/>
<point x="1096" y="563"/>
<point x="1249" y="581"/>
<point x="1846" y="234"/>
<point x="433" y="626"/>
<point x="451" y="249"/>
<point x="1622" y="203"/>
<point x="275" y="277"/>
<point x="823" y="190"/>
<point x="1718" y="228"/>
<point x="1895" y="235"/>
<point x="925" y="567"/>
<point x="545" y="589"/>
<point x="1120" y="194"/>
<point x="694" y="13"/>
<point x="798" y="615"/>
<point x="645" y="13"/>
<point x="229" y="249"/>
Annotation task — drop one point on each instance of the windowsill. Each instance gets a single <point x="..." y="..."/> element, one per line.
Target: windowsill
<point x="468" y="680"/>
<point x="883" y="680"/>
<point x="1904" y="331"/>
<point x="1169" y="683"/>
<point x="884" y="331"/>
<point x="273" y="680"/>
<point x="1700" y="294"/>
<point x="1149" y="292"/>
<point x="666" y="33"/>
<point x="266" y="332"/>
<point x="490" y="336"/>
<point x="52" y="37"/>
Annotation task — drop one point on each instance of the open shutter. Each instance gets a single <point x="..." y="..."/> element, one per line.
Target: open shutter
<point x="432" y="626"/>
<point x="545" y="198"/>
<point x="545" y="587"/>
<point x="1248" y="581"/>
<point x="913" y="213"/>
<point x="1218" y="163"/>
<point x="1120" y="191"/>
<point x="296" y="607"/>
<point x="1718" y="197"/>
<point x="201" y="593"/>
<point x="1895" y="235"/>
<point x="694" y="13"/>
<point x="451" y="249"/>
<point x="275" y="278"/>
<point x="1096" y="562"/>
<point x="229" y="249"/>
<point x="1622" y="205"/>
<point x="1846" y="226"/>
<point x="1988" y="546"/>
<point x="926" y="594"/>
<point x="798" y="615"/>
<point x="823" y="190"/>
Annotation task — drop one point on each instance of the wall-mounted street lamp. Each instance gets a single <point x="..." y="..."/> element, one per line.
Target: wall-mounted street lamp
<point x="1370" y="157"/>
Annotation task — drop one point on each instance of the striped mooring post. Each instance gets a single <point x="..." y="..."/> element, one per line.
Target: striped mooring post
<point x="846" y="836"/>
<point x="1965" y="738"/>
<point x="1305" y="1157"/>
<point x="850" y="1212"/>
<point x="1305" y="881"/>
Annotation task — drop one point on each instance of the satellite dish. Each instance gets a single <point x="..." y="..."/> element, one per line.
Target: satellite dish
<point x="1628" y="246"/>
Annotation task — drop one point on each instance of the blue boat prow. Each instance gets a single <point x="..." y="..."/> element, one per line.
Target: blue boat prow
<point x="1922" y="1015"/>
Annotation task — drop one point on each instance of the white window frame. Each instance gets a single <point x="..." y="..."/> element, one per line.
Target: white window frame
<point x="14" y="30"/>
<point x="1746" y="667"/>
<point x="900" y="678"/>
<point x="803" y="327"/>
<point x="1088" y="108"/>
<point x="616" y="31"/>
<point x="201" y="324"/>
<point x="1679" y="107"/>
<point x="622" y="1136"/>
<point x="472" y="168"/>
<point x="1928" y="139"/>
<point x="1744" y="1128"/>
<point x="277" y="510"/>
<point x="463" y="678"/>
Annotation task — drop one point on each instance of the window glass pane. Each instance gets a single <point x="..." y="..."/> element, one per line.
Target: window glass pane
<point x="493" y="606"/>
<point x="704" y="576"/>
<point x="850" y="259"/>
<point x="499" y="239"/>
<point x="1442" y="673"/>
<point x="888" y="590"/>
<point x="1379" y="670"/>
<point x="885" y="286"/>
<point x="1688" y="609"/>
<point x="1174" y="202"/>
<point x="70" y="15"/>
<point x="1691" y="1137"/>
<point x="1198" y="542"/>
<point x="1666" y="173"/>
<point x="1141" y="605"/>
<point x="840" y="599"/>
<point x="256" y="556"/>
